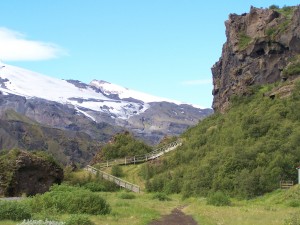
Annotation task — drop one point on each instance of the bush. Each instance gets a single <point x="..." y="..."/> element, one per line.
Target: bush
<point x="161" y="197"/>
<point x="274" y="7"/>
<point x="292" y="69"/>
<point x="126" y="195"/>
<point x="94" y="183"/>
<point x="294" y="203"/>
<point x="41" y="222"/>
<point x="79" y="220"/>
<point x="67" y="199"/>
<point x="218" y="199"/>
<point x="14" y="210"/>
<point x="123" y="145"/>
<point x="117" y="171"/>
<point x="94" y="186"/>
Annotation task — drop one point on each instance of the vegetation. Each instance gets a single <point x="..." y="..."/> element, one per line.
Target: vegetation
<point x="218" y="199"/>
<point x="287" y="13"/>
<point x="7" y="162"/>
<point x="161" y="197"/>
<point x="78" y="219"/>
<point x="293" y="68"/>
<point x="68" y="199"/>
<point x="244" y="41"/>
<point x="117" y="171"/>
<point x="41" y="222"/>
<point x="127" y="195"/>
<point x="243" y="153"/>
<point x="274" y="7"/>
<point x="124" y="144"/>
<point x="88" y="181"/>
<point x="12" y="210"/>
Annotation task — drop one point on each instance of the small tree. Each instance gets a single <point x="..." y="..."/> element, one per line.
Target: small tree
<point x="273" y="7"/>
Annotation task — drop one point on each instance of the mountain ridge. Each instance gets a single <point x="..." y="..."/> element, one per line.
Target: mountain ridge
<point x="96" y="110"/>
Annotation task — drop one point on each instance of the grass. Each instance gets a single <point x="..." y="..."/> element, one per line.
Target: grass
<point x="141" y="209"/>
<point x="244" y="41"/>
<point x="241" y="213"/>
<point x="131" y="174"/>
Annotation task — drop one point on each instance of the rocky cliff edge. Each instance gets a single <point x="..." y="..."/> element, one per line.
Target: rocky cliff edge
<point x="262" y="47"/>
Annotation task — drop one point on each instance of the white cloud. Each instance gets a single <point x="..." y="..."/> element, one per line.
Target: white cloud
<point x="197" y="82"/>
<point x="15" y="47"/>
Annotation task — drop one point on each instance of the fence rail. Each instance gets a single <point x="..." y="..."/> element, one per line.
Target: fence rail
<point x="141" y="158"/>
<point x="131" y="160"/>
<point x="116" y="180"/>
<point x="286" y="184"/>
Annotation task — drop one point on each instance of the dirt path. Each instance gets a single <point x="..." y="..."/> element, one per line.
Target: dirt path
<point x="175" y="218"/>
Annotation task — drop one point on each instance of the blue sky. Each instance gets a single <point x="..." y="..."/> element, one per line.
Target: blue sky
<point x="162" y="47"/>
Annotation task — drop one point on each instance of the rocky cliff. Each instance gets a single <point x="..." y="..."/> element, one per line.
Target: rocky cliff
<point x="262" y="47"/>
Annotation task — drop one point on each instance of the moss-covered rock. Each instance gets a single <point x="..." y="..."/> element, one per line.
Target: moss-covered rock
<point x="27" y="173"/>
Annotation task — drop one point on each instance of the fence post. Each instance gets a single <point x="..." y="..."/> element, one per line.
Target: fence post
<point x="134" y="160"/>
<point x="125" y="161"/>
<point x="107" y="163"/>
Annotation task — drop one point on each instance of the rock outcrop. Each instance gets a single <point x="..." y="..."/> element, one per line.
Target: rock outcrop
<point x="260" y="48"/>
<point x="27" y="173"/>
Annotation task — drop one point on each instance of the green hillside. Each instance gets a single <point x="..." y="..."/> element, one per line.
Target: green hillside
<point x="244" y="152"/>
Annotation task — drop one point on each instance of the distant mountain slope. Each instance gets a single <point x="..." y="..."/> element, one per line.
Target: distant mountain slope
<point x="20" y="132"/>
<point x="73" y="105"/>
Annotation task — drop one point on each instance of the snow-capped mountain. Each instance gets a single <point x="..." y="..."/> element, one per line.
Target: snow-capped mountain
<point x="148" y="116"/>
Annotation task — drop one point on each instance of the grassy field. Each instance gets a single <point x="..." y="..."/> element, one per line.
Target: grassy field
<point x="240" y="213"/>
<point x="272" y="209"/>
<point x="143" y="209"/>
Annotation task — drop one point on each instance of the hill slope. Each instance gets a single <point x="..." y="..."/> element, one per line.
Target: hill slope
<point x="245" y="152"/>
<point x="254" y="145"/>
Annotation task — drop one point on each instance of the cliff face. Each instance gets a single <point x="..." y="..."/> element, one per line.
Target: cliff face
<point x="262" y="47"/>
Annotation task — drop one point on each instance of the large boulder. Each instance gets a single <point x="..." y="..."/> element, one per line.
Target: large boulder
<point x="27" y="173"/>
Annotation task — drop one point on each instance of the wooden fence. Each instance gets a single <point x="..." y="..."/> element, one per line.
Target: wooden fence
<point x="141" y="158"/>
<point x="131" y="160"/>
<point x="286" y="184"/>
<point x="120" y="182"/>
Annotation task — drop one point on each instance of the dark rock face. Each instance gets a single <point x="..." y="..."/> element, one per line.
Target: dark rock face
<point x="33" y="175"/>
<point x="259" y="47"/>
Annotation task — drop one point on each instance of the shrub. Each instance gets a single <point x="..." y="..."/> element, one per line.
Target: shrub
<point x="41" y="222"/>
<point x="89" y="181"/>
<point x="161" y="197"/>
<point x="292" y="69"/>
<point x="273" y="7"/>
<point x="126" y="195"/>
<point x="78" y="219"/>
<point x="117" y="171"/>
<point x="294" y="203"/>
<point x="218" y="199"/>
<point x="123" y="145"/>
<point x="94" y="186"/>
<point x="14" y="210"/>
<point x="67" y="199"/>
